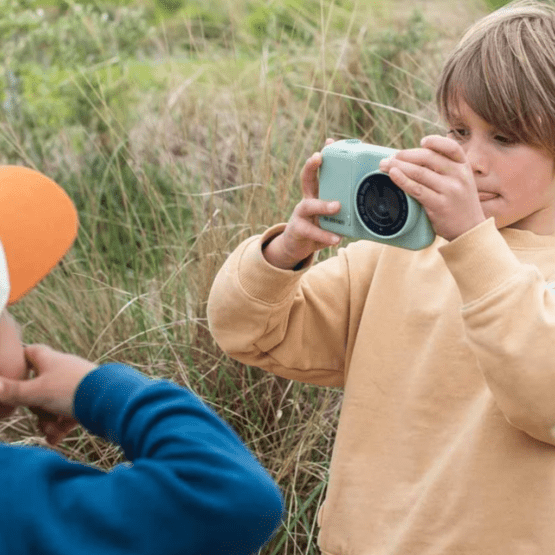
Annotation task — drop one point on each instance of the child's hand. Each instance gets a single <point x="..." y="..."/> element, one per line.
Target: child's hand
<point x="440" y="178"/>
<point x="51" y="393"/>
<point x="303" y="234"/>
<point x="15" y="372"/>
<point x="54" y="427"/>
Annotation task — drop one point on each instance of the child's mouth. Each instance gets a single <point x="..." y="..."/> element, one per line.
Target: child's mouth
<point x="486" y="196"/>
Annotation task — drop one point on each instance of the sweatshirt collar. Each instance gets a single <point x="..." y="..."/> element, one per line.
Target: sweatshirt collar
<point x="520" y="238"/>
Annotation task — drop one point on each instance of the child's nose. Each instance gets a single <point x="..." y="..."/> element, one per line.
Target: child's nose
<point x="476" y="156"/>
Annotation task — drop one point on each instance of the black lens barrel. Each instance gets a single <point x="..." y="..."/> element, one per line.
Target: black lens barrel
<point x="381" y="205"/>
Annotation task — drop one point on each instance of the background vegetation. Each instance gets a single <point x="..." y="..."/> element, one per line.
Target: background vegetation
<point x="179" y="128"/>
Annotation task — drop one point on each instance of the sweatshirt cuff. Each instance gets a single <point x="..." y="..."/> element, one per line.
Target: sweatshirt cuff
<point x="480" y="260"/>
<point x="260" y="279"/>
<point x="102" y="394"/>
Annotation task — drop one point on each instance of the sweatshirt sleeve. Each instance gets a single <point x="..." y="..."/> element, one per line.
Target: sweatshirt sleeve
<point x="509" y="320"/>
<point x="193" y="486"/>
<point x="294" y="324"/>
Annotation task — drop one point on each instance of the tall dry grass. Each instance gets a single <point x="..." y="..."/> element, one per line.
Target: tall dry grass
<point x="230" y="133"/>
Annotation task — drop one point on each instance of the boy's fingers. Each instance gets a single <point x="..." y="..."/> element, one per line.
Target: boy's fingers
<point x="55" y="432"/>
<point x="321" y="238"/>
<point x="309" y="176"/>
<point x="55" y="428"/>
<point x="308" y="208"/>
<point x="66" y="424"/>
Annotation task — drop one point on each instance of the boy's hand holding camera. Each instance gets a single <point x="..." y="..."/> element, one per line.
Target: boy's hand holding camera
<point x="303" y="235"/>
<point x="440" y="178"/>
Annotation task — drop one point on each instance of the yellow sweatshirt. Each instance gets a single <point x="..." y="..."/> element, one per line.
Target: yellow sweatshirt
<point x="447" y="360"/>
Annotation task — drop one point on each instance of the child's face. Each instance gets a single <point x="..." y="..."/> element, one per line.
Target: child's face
<point x="12" y="358"/>
<point x="520" y="176"/>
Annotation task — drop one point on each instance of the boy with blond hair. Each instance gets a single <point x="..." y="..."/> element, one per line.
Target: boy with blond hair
<point x="446" y="439"/>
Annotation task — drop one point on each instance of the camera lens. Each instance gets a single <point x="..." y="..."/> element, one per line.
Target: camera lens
<point x="382" y="206"/>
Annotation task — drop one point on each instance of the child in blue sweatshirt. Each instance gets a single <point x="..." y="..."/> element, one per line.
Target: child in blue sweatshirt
<point x="192" y="488"/>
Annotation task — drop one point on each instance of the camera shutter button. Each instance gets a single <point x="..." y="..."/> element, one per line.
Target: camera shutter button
<point x="352" y="140"/>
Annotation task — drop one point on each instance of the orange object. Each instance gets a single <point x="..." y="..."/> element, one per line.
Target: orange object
<point x="38" y="225"/>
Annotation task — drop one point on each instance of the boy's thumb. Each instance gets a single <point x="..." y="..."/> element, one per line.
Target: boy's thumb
<point x="36" y="351"/>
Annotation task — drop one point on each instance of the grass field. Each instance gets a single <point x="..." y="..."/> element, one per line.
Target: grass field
<point x="179" y="129"/>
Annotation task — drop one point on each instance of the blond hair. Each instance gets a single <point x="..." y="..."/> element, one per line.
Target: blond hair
<point x="504" y="69"/>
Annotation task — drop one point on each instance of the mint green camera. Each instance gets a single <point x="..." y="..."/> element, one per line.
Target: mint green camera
<point x="372" y="206"/>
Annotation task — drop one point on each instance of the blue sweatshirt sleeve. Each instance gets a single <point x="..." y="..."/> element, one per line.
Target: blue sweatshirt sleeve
<point x="193" y="488"/>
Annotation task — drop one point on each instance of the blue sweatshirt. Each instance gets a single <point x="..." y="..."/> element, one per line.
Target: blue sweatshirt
<point x="193" y="488"/>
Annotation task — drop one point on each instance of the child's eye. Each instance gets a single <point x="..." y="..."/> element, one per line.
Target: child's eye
<point x="504" y="140"/>
<point x="457" y="133"/>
